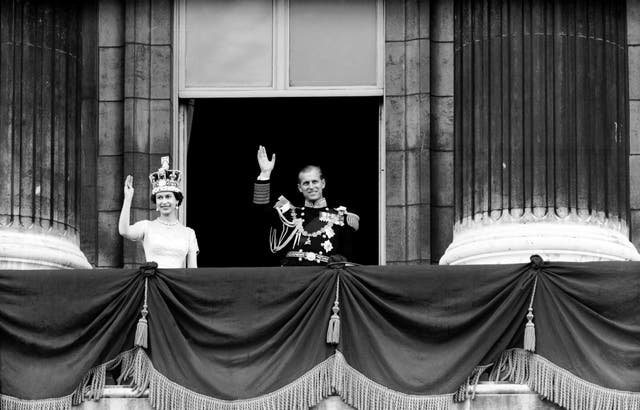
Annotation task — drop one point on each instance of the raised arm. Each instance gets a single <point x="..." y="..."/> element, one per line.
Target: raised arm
<point x="266" y="164"/>
<point x="123" y="223"/>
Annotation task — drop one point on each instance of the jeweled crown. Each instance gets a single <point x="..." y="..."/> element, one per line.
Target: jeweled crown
<point x="165" y="179"/>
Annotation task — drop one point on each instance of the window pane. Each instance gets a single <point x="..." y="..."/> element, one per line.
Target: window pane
<point x="228" y="43"/>
<point x="332" y="42"/>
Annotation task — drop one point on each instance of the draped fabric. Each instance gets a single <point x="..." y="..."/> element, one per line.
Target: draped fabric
<point x="250" y="338"/>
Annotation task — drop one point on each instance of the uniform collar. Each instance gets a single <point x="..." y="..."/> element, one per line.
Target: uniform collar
<point x="320" y="203"/>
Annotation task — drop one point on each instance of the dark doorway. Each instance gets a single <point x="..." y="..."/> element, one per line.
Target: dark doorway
<point x="338" y="134"/>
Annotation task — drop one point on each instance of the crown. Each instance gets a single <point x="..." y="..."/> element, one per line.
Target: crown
<point x="165" y="179"/>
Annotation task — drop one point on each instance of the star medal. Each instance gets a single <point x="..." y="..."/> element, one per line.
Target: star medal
<point x="329" y="217"/>
<point x="329" y="232"/>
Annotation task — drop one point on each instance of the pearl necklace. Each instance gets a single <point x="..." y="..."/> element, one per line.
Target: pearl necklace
<point x="167" y="223"/>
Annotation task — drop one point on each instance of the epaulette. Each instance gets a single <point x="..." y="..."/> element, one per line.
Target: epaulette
<point x="353" y="220"/>
<point x="283" y="204"/>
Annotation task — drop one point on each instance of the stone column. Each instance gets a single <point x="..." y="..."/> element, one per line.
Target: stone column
<point x="39" y="135"/>
<point x="541" y="132"/>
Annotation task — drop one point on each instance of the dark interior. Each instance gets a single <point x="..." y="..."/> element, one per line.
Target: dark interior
<point x="338" y="134"/>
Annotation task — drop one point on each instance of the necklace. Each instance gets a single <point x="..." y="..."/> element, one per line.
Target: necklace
<point x="167" y="223"/>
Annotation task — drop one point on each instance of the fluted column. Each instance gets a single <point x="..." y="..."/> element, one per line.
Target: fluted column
<point x="541" y="132"/>
<point x="39" y="135"/>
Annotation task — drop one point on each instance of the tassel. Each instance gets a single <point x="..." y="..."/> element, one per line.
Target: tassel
<point x="333" y="331"/>
<point x="530" y="333"/>
<point x="142" y="333"/>
<point x="142" y="328"/>
<point x="530" y="328"/>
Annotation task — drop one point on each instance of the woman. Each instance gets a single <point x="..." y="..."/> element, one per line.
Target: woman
<point x="165" y="240"/>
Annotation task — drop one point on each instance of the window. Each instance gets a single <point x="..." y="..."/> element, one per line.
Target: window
<point x="332" y="43"/>
<point x="228" y="43"/>
<point x="279" y="48"/>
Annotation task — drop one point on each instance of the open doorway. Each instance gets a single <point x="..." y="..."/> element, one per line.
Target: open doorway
<point x="338" y="134"/>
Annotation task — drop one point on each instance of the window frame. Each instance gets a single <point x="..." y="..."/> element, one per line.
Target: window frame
<point x="280" y="65"/>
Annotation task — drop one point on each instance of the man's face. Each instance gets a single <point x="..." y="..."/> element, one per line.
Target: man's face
<point x="166" y="202"/>
<point x="311" y="185"/>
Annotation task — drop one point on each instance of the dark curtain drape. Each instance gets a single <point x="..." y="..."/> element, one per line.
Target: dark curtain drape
<point x="218" y="335"/>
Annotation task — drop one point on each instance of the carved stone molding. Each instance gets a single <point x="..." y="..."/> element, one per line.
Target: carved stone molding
<point x="514" y="240"/>
<point x="538" y="215"/>
<point x="24" y="248"/>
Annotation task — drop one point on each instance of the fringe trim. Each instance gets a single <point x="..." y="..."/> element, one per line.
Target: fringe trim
<point x="12" y="403"/>
<point x="468" y="389"/>
<point x="164" y="394"/>
<point x="559" y="385"/>
<point x="91" y="387"/>
<point x="333" y="376"/>
<point x="362" y="393"/>
<point x="137" y="370"/>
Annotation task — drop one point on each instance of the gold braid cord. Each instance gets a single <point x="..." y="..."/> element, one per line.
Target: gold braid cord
<point x="290" y="230"/>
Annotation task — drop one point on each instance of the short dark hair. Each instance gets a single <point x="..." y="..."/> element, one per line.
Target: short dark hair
<point x="309" y="168"/>
<point x="177" y="195"/>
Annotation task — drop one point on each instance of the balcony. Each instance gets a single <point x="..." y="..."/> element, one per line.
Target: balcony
<point x="374" y="337"/>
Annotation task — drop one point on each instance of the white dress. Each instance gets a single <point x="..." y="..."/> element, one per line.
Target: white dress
<point x="167" y="245"/>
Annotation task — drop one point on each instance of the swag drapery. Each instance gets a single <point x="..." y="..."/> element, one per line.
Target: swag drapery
<point x="256" y="338"/>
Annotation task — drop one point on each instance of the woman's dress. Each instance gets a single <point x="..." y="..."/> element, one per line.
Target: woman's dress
<point x="167" y="245"/>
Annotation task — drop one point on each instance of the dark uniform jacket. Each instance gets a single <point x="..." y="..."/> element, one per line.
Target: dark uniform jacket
<point x="312" y="234"/>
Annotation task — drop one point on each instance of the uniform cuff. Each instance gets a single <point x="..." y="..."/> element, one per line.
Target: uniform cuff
<point x="261" y="192"/>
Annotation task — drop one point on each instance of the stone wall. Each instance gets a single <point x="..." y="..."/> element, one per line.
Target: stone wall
<point x="419" y="130"/>
<point x="442" y="135"/>
<point x="127" y="122"/>
<point x="133" y="77"/>
<point x="133" y="93"/>
<point x="633" y="45"/>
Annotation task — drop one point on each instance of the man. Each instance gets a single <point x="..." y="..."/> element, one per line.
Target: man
<point x="313" y="234"/>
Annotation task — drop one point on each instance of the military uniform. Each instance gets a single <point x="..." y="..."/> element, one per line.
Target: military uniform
<point x="313" y="234"/>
